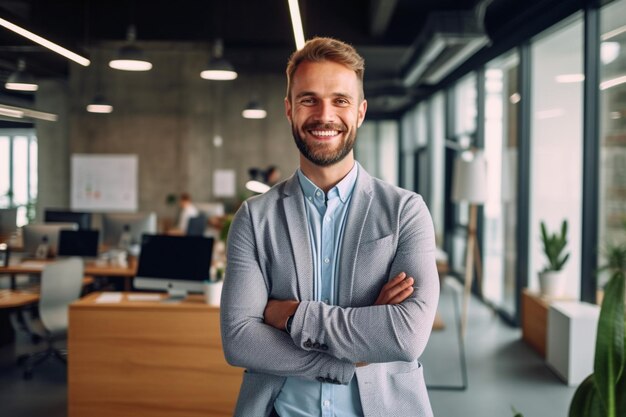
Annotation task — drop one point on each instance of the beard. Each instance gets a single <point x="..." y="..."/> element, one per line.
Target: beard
<point x="322" y="153"/>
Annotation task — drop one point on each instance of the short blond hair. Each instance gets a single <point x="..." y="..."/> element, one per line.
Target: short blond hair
<point x="327" y="49"/>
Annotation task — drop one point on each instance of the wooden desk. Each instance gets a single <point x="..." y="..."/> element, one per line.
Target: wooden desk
<point x="146" y="358"/>
<point x="10" y="300"/>
<point x="30" y="267"/>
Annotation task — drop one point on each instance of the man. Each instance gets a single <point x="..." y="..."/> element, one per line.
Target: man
<point x="187" y="211"/>
<point x="331" y="285"/>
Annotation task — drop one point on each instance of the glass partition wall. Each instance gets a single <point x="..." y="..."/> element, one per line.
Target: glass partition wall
<point x="612" y="190"/>
<point x="500" y="209"/>
<point x="556" y="146"/>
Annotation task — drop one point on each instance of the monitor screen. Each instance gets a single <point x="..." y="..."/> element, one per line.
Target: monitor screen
<point x="78" y="243"/>
<point x="82" y="219"/>
<point x="33" y="235"/>
<point x="113" y="225"/>
<point x="8" y="220"/>
<point x="177" y="264"/>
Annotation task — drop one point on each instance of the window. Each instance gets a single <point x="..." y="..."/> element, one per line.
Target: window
<point x="500" y="209"/>
<point x="612" y="208"/>
<point x="465" y="114"/>
<point x="556" y="146"/>
<point x="376" y="149"/>
<point x="18" y="172"/>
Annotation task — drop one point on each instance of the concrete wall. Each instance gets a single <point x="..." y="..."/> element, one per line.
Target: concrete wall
<point x="52" y="144"/>
<point x="168" y="117"/>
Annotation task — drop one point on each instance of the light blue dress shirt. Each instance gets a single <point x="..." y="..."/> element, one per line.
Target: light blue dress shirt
<point x="326" y="215"/>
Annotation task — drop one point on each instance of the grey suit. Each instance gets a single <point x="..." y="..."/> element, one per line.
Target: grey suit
<point x="388" y="230"/>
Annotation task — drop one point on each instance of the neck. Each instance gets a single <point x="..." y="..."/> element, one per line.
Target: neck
<point x="327" y="177"/>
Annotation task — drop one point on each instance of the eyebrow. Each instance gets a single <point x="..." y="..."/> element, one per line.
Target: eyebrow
<point x="311" y="93"/>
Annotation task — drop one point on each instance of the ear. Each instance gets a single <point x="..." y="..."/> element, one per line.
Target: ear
<point x="288" y="109"/>
<point x="361" y="113"/>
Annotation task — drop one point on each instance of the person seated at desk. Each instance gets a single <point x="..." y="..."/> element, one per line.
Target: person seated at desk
<point x="187" y="211"/>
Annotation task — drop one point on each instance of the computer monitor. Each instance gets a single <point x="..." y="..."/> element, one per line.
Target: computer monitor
<point x="33" y="235"/>
<point x="176" y="264"/>
<point x="113" y="225"/>
<point x="8" y="220"/>
<point x="82" y="243"/>
<point x="82" y="219"/>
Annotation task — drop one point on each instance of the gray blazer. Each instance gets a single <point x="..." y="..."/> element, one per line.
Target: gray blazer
<point x="388" y="230"/>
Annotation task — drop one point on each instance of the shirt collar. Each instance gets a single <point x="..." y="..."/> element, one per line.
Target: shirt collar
<point x="343" y="188"/>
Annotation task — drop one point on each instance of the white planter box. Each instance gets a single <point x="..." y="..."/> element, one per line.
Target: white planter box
<point x="571" y="339"/>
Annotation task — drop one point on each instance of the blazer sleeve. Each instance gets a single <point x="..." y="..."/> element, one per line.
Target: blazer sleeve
<point x="382" y="333"/>
<point x="247" y="341"/>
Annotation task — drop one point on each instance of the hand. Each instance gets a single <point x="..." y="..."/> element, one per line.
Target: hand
<point x="278" y="311"/>
<point x="398" y="289"/>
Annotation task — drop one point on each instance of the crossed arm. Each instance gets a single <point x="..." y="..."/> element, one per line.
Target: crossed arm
<point x="398" y="289"/>
<point x="327" y="340"/>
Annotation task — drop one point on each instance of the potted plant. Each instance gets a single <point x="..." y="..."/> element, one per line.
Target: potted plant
<point x="551" y="278"/>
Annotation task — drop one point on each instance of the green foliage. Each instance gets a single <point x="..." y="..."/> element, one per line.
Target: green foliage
<point x="553" y="247"/>
<point x="171" y="199"/>
<point x="225" y="228"/>
<point x="603" y="393"/>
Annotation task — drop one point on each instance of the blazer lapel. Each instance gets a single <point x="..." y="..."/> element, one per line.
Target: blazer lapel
<point x="295" y="215"/>
<point x="357" y="214"/>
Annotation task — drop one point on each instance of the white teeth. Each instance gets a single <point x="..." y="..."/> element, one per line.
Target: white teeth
<point x="325" y="132"/>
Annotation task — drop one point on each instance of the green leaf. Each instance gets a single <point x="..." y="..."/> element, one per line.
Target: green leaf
<point x="620" y="400"/>
<point x="586" y="400"/>
<point x="609" y="357"/>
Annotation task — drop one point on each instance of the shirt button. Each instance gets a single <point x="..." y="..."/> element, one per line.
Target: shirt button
<point x="318" y="193"/>
<point x="309" y="197"/>
<point x="326" y="403"/>
<point x="327" y="218"/>
<point x="326" y="260"/>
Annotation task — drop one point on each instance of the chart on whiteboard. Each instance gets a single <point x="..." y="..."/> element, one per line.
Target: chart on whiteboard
<point x="104" y="182"/>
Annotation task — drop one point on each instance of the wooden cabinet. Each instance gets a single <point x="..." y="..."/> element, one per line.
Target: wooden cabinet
<point x="534" y="321"/>
<point x="147" y="358"/>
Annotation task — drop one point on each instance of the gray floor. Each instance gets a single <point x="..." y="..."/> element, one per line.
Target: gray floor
<point x="502" y="372"/>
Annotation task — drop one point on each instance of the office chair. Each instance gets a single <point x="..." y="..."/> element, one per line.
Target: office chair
<point x="197" y="225"/>
<point x="61" y="283"/>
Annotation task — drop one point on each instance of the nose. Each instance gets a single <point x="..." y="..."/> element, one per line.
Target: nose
<point x="325" y="112"/>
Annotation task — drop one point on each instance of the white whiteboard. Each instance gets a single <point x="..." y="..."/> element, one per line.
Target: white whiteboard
<point x="104" y="182"/>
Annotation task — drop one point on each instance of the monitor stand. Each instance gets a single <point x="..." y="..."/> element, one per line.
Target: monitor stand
<point x="175" y="295"/>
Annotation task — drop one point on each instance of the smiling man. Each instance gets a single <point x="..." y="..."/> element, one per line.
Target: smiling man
<point x="331" y="285"/>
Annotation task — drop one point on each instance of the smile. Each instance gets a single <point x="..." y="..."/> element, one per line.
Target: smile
<point x="324" y="133"/>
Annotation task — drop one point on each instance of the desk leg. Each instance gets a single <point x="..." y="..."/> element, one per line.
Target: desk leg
<point x="128" y="284"/>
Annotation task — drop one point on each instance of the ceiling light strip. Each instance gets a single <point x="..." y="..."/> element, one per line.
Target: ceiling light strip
<point x="46" y="43"/>
<point x="34" y="114"/>
<point x="296" y="23"/>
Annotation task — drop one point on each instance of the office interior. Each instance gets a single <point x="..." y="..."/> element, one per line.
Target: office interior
<point x="536" y="89"/>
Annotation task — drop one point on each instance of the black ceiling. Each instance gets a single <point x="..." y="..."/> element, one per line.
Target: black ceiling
<point x="257" y="34"/>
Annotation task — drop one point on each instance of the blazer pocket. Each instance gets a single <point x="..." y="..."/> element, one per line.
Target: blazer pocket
<point x="383" y="242"/>
<point x="410" y="394"/>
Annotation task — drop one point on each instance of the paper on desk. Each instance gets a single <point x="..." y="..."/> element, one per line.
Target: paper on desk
<point x="34" y="264"/>
<point x="109" y="297"/>
<point x="143" y="297"/>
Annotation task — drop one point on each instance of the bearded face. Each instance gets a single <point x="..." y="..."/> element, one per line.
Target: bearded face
<point x="324" y="153"/>
<point x="325" y="110"/>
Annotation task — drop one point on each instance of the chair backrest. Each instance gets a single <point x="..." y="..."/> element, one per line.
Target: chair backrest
<point x="197" y="225"/>
<point x="61" y="283"/>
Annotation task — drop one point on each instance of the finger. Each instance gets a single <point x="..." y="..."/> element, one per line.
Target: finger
<point x="395" y="280"/>
<point x="401" y="286"/>
<point x="402" y="296"/>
